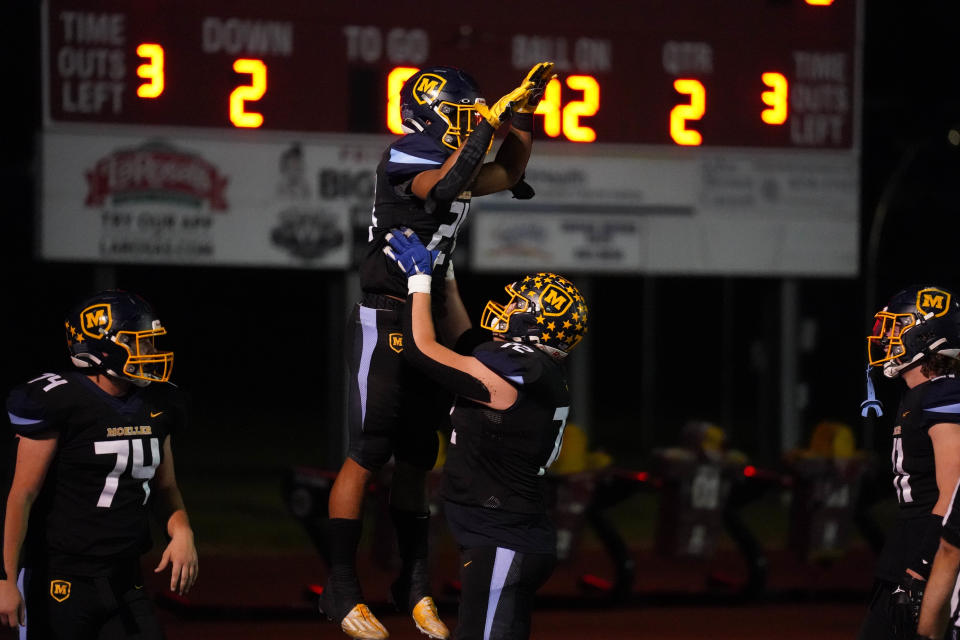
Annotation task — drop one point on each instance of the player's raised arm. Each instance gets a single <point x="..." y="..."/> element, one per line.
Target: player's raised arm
<point x="508" y="167"/>
<point x="465" y="169"/>
<point x="465" y="375"/>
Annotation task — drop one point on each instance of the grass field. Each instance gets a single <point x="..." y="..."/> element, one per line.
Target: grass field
<point x="257" y="561"/>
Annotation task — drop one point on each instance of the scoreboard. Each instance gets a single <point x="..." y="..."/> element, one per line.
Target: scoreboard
<point x="755" y="73"/>
<point x="679" y="137"/>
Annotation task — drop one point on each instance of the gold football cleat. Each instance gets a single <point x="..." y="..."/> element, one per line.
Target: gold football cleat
<point x="428" y="620"/>
<point x="360" y="623"/>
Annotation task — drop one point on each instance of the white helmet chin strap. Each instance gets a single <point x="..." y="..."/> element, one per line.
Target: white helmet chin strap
<point x="894" y="368"/>
<point x="80" y="362"/>
<point x="412" y="125"/>
<point x="553" y="352"/>
<point x="91" y="361"/>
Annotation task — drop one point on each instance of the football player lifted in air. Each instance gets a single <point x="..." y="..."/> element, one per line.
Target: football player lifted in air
<point x="916" y="338"/>
<point x="511" y="407"/>
<point x="93" y="460"/>
<point x="425" y="181"/>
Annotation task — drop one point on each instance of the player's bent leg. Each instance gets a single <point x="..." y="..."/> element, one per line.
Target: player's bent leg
<point x="373" y="407"/>
<point x="342" y="599"/>
<point x="412" y="590"/>
<point x="348" y="490"/>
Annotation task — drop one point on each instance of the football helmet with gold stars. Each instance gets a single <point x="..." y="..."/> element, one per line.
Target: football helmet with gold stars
<point x="115" y="332"/>
<point x="544" y="309"/>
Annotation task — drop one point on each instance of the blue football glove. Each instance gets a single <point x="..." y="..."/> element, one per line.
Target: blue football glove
<point x="409" y="253"/>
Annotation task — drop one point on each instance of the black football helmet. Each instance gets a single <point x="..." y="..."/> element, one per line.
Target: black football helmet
<point x="115" y="332"/>
<point x="441" y="101"/>
<point x="544" y="309"/>
<point x="917" y="322"/>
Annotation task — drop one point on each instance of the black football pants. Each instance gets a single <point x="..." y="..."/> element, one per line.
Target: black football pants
<point x="394" y="409"/>
<point x="67" y="607"/>
<point x="498" y="587"/>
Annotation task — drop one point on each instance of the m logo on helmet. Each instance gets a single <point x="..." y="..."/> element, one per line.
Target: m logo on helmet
<point x="428" y="88"/>
<point x="554" y="300"/>
<point x="933" y="301"/>
<point x="59" y="590"/>
<point x="95" y="320"/>
<point x="396" y="341"/>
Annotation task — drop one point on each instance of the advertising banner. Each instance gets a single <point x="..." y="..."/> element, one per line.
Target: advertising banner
<point x="305" y="203"/>
<point x="134" y="199"/>
<point x="722" y="212"/>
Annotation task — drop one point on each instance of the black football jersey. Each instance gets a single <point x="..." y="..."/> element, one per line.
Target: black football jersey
<point x="914" y="473"/>
<point x="395" y="206"/>
<point x="93" y="507"/>
<point x="497" y="459"/>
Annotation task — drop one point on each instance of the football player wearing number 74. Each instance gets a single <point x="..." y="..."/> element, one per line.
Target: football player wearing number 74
<point x="93" y="460"/>
<point x="511" y="406"/>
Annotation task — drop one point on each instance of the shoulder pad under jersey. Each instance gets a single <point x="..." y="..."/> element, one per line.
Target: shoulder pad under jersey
<point x="412" y="154"/>
<point x="941" y="403"/>
<point x="519" y="363"/>
<point x="40" y="403"/>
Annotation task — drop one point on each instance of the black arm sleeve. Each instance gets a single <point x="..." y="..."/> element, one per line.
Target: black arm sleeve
<point x="462" y="172"/>
<point x="928" y="545"/>
<point x="457" y="381"/>
<point x="952" y="536"/>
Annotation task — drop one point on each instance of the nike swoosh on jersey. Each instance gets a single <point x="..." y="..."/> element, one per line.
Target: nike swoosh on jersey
<point x="155" y="414"/>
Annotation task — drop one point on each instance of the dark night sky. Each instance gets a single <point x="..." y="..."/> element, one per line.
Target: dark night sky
<point x="911" y="97"/>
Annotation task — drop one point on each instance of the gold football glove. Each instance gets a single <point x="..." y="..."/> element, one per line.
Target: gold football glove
<point x="540" y="75"/>
<point x="505" y="107"/>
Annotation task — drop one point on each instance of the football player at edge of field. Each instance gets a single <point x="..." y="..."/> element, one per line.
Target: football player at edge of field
<point x="512" y="403"/>
<point x="916" y="337"/>
<point x="93" y="460"/>
<point x="425" y="181"/>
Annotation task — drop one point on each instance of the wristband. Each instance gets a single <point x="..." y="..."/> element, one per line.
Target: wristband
<point x="923" y="559"/>
<point x="419" y="283"/>
<point x="522" y="122"/>
<point x="951" y="533"/>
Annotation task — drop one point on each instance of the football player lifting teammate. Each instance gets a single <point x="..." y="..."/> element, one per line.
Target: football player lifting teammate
<point x="93" y="459"/>
<point x="512" y="403"/>
<point x="916" y="337"/>
<point x="425" y="181"/>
